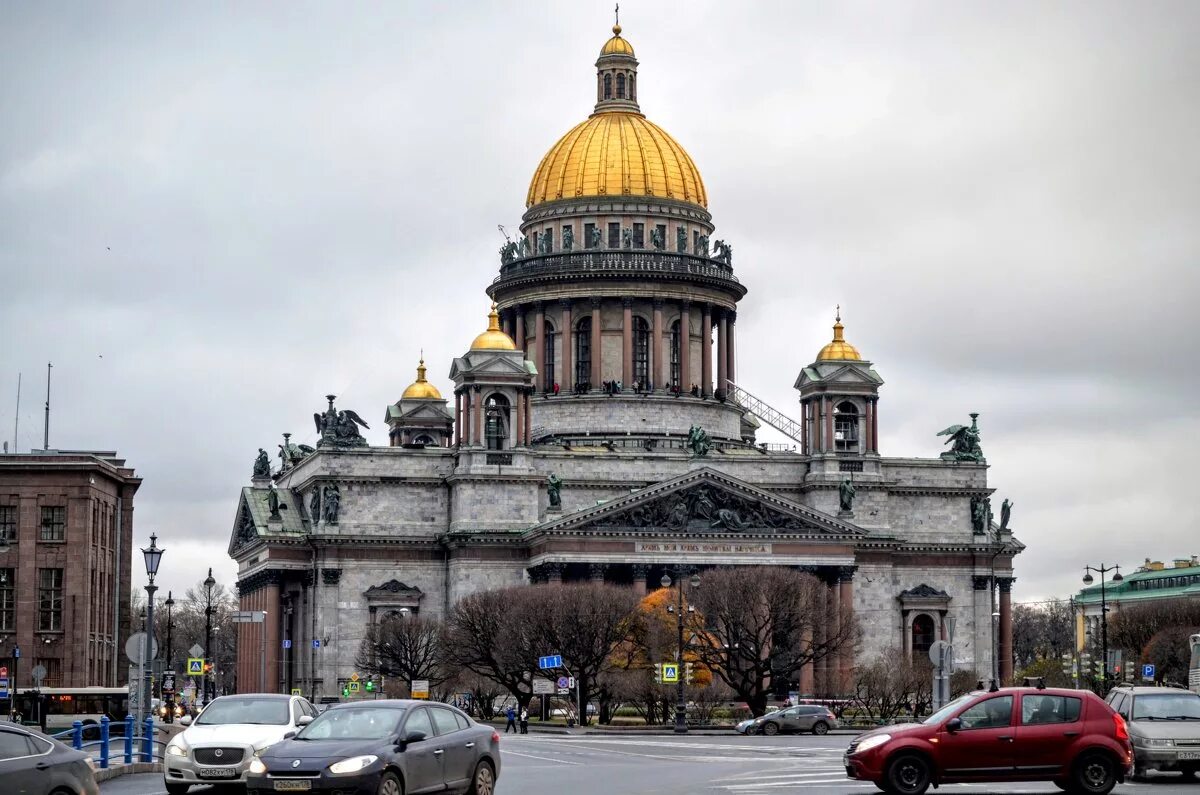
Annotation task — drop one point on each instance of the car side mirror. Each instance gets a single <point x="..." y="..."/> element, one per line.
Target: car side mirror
<point x="289" y="735"/>
<point x="304" y="720"/>
<point x="186" y="720"/>
<point x="414" y="736"/>
<point x="953" y="725"/>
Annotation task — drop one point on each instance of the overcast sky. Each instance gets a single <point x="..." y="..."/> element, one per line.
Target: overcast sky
<point x="212" y="214"/>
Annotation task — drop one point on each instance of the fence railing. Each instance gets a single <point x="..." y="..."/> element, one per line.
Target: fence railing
<point x="138" y="741"/>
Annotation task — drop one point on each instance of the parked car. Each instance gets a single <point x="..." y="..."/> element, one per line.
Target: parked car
<point x="1069" y="737"/>
<point x="33" y="764"/>
<point x="217" y="747"/>
<point x="804" y="718"/>
<point x="1164" y="726"/>
<point x="386" y="747"/>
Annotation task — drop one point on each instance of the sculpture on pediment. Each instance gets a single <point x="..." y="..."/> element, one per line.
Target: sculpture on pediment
<point x="963" y="441"/>
<point x="339" y="428"/>
<point x="1005" y="514"/>
<point x="703" y="509"/>
<point x="678" y="517"/>
<point x="333" y="503"/>
<point x="656" y="239"/>
<point x="554" y="490"/>
<point x="724" y="252"/>
<point x="681" y="240"/>
<point x="568" y="243"/>
<point x="729" y="519"/>
<point x="262" y="464"/>
<point x="246" y="530"/>
<point x="703" y="505"/>
<point x="981" y="511"/>
<point x="924" y="591"/>
<point x="846" y="493"/>
<point x="698" y="441"/>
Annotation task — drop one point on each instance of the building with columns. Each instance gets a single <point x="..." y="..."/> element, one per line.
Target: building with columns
<point x="599" y="432"/>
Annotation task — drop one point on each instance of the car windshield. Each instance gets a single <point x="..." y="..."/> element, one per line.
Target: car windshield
<point x="947" y="710"/>
<point x="361" y="723"/>
<point x="245" y="709"/>
<point x="1167" y="706"/>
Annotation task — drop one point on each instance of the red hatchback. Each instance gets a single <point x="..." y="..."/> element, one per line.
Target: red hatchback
<point x="1070" y="737"/>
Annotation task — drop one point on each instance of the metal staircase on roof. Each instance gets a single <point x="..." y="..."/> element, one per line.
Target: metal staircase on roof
<point x="759" y="408"/>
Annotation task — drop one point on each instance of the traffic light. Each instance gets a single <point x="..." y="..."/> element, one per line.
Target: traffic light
<point x="370" y="685"/>
<point x="658" y="674"/>
<point x="687" y="673"/>
<point x="345" y="691"/>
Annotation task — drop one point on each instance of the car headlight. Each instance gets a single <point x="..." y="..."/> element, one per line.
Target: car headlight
<point x="872" y="742"/>
<point x="353" y="764"/>
<point x="176" y="749"/>
<point x="257" y="767"/>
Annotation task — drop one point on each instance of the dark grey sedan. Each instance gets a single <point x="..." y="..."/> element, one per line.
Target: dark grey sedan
<point x="382" y="748"/>
<point x="33" y="764"/>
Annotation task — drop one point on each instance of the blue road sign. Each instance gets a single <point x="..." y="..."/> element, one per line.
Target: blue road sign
<point x="551" y="661"/>
<point x="1148" y="671"/>
<point x="17" y="652"/>
<point x="4" y="687"/>
<point x="316" y="643"/>
<point x="287" y="644"/>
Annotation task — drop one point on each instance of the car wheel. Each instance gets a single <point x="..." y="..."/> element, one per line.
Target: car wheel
<point x="484" y="780"/>
<point x="390" y="784"/>
<point x="1094" y="774"/>
<point x="907" y="774"/>
<point x="820" y="727"/>
<point x="770" y="729"/>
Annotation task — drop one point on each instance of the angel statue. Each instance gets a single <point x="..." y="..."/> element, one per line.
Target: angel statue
<point x="568" y="238"/>
<point x="262" y="464"/>
<point x="656" y="239"/>
<point x="681" y="240"/>
<point x="594" y="238"/>
<point x="627" y="238"/>
<point x="508" y="252"/>
<point x="702" y="246"/>
<point x="964" y="441"/>
<point x="339" y="428"/>
<point x="723" y="252"/>
<point x="698" y="441"/>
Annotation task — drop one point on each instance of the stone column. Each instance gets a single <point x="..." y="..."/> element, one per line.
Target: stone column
<point x="457" y="417"/>
<point x="597" y="343"/>
<point x="834" y="612"/>
<point x="465" y="436"/>
<point x="506" y="323"/>
<point x="875" y="425"/>
<point x="906" y="632"/>
<point x="597" y="570"/>
<point x="722" y="351"/>
<point x="731" y="345"/>
<point x="477" y="417"/>
<point x="554" y="573"/>
<point x="814" y="407"/>
<point x="846" y="597"/>
<point x="528" y="417"/>
<point x="567" y="335"/>
<point x="706" y="350"/>
<point x="519" y="430"/>
<point x="640" y="572"/>
<point x="657" y="371"/>
<point x="804" y="418"/>
<point x="520" y="325"/>
<point x="1004" y="644"/>
<point x="820" y="679"/>
<point x="539" y="353"/>
<point x="685" y="347"/>
<point x="866" y="431"/>
<point x="627" y="341"/>
<point x="828" y="424"/>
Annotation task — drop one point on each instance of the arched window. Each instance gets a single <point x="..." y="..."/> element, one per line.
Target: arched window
<point x="922" y="635"/>
<point x="496" y="422"/>
<point x="620" y="86"/>
<point x="608" y="86"/>
<point x="548" y="376"/>
<point x="424" y="439"/>
<point x="583" y="354"/>
<point x="676" y="350"/>
<point x="641" y="350"/>
<point x="845" y="427"/>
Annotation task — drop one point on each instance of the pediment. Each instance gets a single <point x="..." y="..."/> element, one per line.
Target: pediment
<point x="253" y="518"/>
<point x="704" y="501"/>
<point x="849" y="373"/>
<point x="476" y="364"/>
<point x="391" y="589"/>
<point x="424" y="411"/>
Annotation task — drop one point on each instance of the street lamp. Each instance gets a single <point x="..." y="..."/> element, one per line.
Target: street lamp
<point x="153" y="556"/>
<point x="170" y="603"/>
<point x="209" y="582"/>
<point x="677" y="609"/>
<point x="1087" y="580"/>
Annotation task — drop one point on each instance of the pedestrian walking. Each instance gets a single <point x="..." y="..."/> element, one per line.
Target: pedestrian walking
<point x="524" y="721"/>
<point x="511" y="714"/>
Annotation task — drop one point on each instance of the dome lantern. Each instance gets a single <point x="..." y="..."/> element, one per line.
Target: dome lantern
<point x="421" y="389"/>
<point x="616" y="76"/>
<point x="839" y="350"/>
<point x="493" y="339"/>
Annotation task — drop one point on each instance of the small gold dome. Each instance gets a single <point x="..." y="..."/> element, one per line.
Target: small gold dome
<point x="493" y="339"/>
<point x="616" y="45"/>
<point x="839" y="350"/>
<point x="421" y="389"/>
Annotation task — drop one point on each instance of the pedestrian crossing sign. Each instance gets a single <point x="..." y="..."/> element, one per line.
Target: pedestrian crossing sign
<point x="354" y="687"/>
<point x="670" y="672"/>
<point x="195" y="665"/>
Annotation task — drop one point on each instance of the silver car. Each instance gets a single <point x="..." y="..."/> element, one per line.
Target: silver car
<point x="804" y="718"/>
<point x="219" y="745"/>
<point x="1164" y="727"/>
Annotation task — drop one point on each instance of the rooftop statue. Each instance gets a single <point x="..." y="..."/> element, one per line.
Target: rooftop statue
<point x="554" y="490"/>
<point x="1005" y="514"/>
<point x="568" y="242"/>
<point x="656" y="239"/>
<point x="522" y="247"/>
<point x="272" y="500"/>
<point x="627" y="238"/>
<point x="594" y="238"/>
<point x="262" y="464"/>
<point x="339" y="428"/>
<point x="846" y="493"/>
<point x="702" y="246"/>
<point x="333" y="503"/>
<point x="508" y="252"/>
<point x="724" y="252"/>
<point x="681" y="240"/>
<point x="292" y="454"/>
<point x="981" y="514"/>
<point x="699" y="441"/>
<point x="964" y="441"/>
<point x="545" y="243"/>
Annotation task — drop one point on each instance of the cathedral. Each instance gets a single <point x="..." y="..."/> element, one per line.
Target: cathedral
<point x="598" y="432"/>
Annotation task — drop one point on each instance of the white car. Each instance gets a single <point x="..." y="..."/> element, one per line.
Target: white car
<point x="218" y="747"/>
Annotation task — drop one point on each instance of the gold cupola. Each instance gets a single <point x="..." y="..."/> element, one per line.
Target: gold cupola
<point x="493" y="339"/>
<point x="839" y="350"/>
<point x="616" y="45"/>
<point x="421" y="389"/>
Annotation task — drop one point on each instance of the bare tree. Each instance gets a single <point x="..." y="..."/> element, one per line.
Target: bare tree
<point x="494" y="634"/>
<point x="1134" y="626"/>
<point x="1045" y="631"/>
<point x="407" y="648"/>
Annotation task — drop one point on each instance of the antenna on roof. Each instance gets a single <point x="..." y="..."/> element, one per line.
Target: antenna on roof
<point x="617" y="14"/>
<point x="507" y="239"/>
<point x="46" y="437"/>
<point x="17" y="419"/>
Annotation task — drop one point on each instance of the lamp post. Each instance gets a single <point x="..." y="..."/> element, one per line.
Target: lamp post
<point x="169" y="603"/>
<point x="1087" y="580"/>
<point x="153" y="556"/>
<point x="677" y="609"/>
<point x="209" y="582"/>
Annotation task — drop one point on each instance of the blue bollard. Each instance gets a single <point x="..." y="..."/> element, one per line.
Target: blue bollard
<point x="148" y="740"/>
<point x="129" y="739"/>
<point x="104" y="742"/>
<point x="77" y="735"/>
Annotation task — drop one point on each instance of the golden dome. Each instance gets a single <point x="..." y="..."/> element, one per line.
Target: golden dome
<point x="617" y="153"/>
<point x="839" y="350"/>
<point x="493" y="339"/>
<point x="616" y="45"/>
<point x="421" y="389"/>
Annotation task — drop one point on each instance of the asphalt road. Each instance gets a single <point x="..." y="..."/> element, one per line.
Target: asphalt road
<point x="731" y="765"/>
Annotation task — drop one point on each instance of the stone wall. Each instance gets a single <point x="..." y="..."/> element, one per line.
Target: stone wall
<point x="603" y="416"/>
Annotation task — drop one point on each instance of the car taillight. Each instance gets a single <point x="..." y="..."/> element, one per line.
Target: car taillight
<point x="495" y="737"/>
<point x="1122" y="730"/>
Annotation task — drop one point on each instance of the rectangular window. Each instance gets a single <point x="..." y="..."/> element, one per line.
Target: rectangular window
<point x="50" y="600"/>
<point x="8" y="600"/>
<point x="53" y="678"/>
<point x="8" y="522"/>
<point x="589" y="236"/>
<point x="54" y="523"/>
<point x="1037" y="709"/>
<point x="614" y="235"/>
<point x="639" y="235"/>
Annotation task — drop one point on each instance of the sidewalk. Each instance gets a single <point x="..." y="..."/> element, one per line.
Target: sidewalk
<point x="120" y="769"/>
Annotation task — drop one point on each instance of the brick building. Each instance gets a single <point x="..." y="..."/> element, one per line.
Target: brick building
<point x="66" y="536"/>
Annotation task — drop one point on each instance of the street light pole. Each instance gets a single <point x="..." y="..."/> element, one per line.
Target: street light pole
<point x="209" y="582"/>
<point x="680" y="701"/>
<point x="153" y="556"/>
<point x="170" y="603"/>
<point x="1087" y="580"/>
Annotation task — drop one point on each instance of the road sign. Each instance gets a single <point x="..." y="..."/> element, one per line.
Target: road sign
<point x="287" y="644"/>
<point x="562" y="691"/>
<point x="551" y="661"/>
<point x="354" y="687"/>
<point x="297" y="691"/>
<point x="247" y="616"/>
<point x="38" y="673"/>
<point x="316" y="643"/>
<point x="16" y="652"/>
<point x="4" y="687"/>
<point x="1148" y="672"/>
<point x="195" y="666"/>
<point x="670" y="672"/>
<point x="196" y="651"/>
<point x="420" y="688"/>
<point x="168" y="682"/>
<point x="542" y="687"/>
<point x="135" y="648"/>
<point x="563" y="682"/>
<point x="4" y="671"/>
<point x="354" y="676"/>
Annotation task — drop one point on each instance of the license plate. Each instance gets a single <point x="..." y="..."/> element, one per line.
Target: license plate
<point x="217" y="772"/>
<point x="292" y="785"/>
<point x="1189" y="754"/>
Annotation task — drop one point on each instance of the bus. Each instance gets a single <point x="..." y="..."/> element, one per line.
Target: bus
<point x="56" y="709"/>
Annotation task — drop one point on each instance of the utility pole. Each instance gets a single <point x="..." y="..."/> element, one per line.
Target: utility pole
<point x="209" y="582"/>
<point x="46" y="436"/>
<point x="1087" y="580"/>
